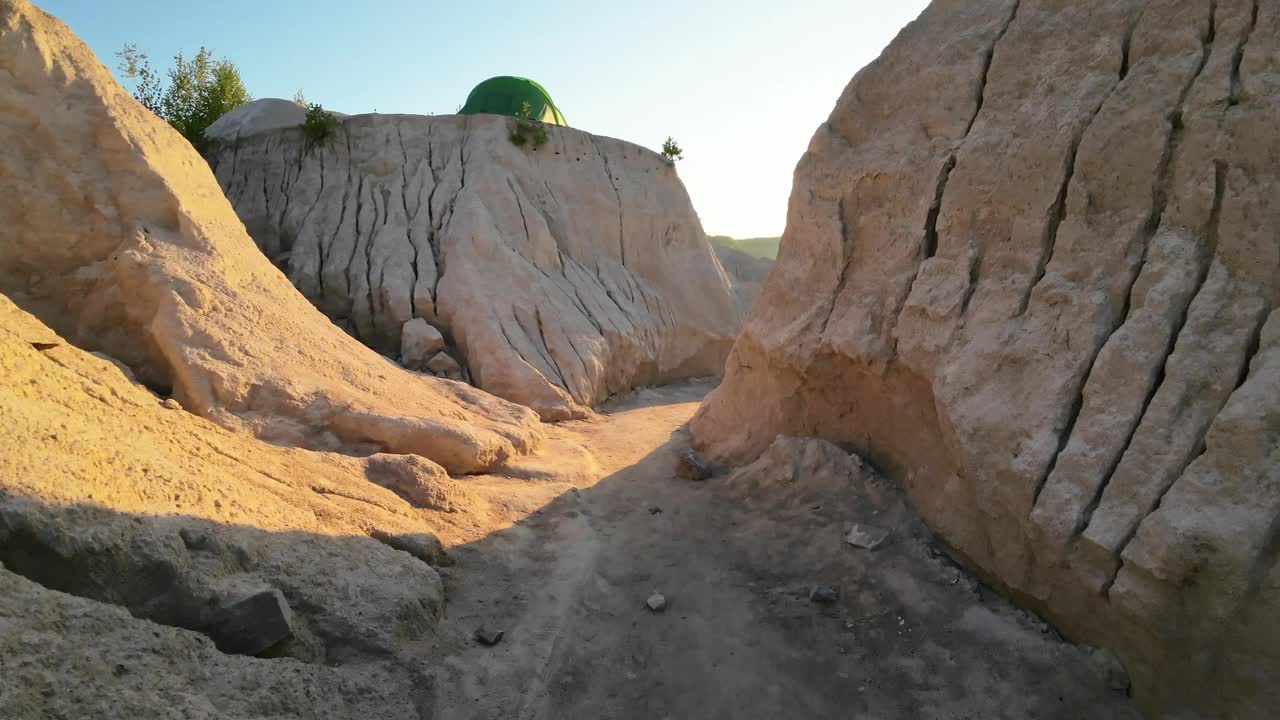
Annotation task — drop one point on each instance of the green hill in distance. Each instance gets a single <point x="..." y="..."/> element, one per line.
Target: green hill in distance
<point x="764" y="247"/>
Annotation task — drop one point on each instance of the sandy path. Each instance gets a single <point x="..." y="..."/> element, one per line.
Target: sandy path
<point x="567" y="573"/>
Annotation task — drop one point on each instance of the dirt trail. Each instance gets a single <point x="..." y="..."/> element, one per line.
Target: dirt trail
<point x="566" y="573"/>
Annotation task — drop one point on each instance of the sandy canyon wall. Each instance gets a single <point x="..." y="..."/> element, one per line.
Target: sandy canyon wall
<point x="154" y="553"/>
<point x="116" y="235"/>
<point x="1031" y="269"/>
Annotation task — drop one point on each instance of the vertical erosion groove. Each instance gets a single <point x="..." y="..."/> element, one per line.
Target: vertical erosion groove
<point x="284" y="189"/>
<point x="575" y="297"/>
<point x="845" y="243"/>
<point x="446" y="218"/>
<point x="1159" y="201"/>
<point x="1126" y="44"/>
<point x="502" y="327"/>
<point x="408" y="221"/>
<point x="1238" y="57"/>
<point x="520" y="206"/>
<point x="545" y="349"/>
<point x="1215" y="217"/>
<point x="608" y="171"/>
<point x="370" y="284"/>
<point x="929" y="241"/>
<point x="987" y="59"/>
<point x="1255" y="344"/>
<point x="1058" y="211"/>
<point x="432" y="240"/>
<point x="930" y="246"/>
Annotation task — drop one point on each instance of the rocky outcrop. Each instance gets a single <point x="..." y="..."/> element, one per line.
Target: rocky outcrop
<point x="259" y="116"/>
<point x="146" y="553"/>
<point x="114" y="232"/>
<point x="1030" y="269"/>
<point x="562" y="274"/>
<point x="747" y="273"/>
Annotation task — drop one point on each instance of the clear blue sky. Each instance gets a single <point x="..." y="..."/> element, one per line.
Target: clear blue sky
<point x="741" y="84"/>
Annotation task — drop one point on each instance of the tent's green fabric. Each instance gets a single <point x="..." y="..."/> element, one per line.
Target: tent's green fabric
<point x="506" y="95"/>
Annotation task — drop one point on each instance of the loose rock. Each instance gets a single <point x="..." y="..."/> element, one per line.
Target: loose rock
<point x="692" y="466"/>
<point x="253" y="624"/>
<point x="824" y="595"/>
<point x="488" y="638"/>
<point x="424" y="546"/>
<point x="419" y="342"/>
<point x="657" y="602"/>
<point x="421" y="482"/>
<point x="867" y="537"/>
<point x="443" y="364"/>
<point x="171" y="404"/>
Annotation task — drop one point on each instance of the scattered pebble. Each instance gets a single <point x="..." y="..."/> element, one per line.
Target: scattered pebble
<point x="692" y="466"/>
<point x="1116" y="677"/>
<point x="171" y="404"/>
<point x="657" y="602"/>
<point x="488" y="638"/>
<point x="824" y="595"/>
<point x="867" y="537"/>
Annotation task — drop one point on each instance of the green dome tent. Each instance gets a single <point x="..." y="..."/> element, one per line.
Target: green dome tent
<point x="506" y="95"/>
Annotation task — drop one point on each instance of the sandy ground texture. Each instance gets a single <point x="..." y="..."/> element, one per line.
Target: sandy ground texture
<point x="129" y="529"/>
<point x="736" y="557"/>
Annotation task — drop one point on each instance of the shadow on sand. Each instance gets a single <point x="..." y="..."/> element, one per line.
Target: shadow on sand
<point x="910" y="635"/>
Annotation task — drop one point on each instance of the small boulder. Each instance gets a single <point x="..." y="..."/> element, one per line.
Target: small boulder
<point x="197" y="540"/>
<point x="488" y="638"/>
<point x="657" y="602"/>
<point x="419" y="343"/>
<point x="252" y="624"/>
<point x="690" y="465"/>
<point x="419" y="481"/>
<point x="171" y="404"/>
<point x="444" y="364"/>
<point x="423" y="546"/>
<point x="824" y="595"/>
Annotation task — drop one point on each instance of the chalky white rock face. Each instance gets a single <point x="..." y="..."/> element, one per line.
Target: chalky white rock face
<point x="114" y="232"/>
<point x="259" y="116"/>
<point x="1030" y="268"/>
<point x="563" y="274"/>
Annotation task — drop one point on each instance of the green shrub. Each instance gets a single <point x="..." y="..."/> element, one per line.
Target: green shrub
<point x="671" y="151"/>
<point x="318" y="126"/>
<point x="200" y="90"/>
<point x="528" y="131"/>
